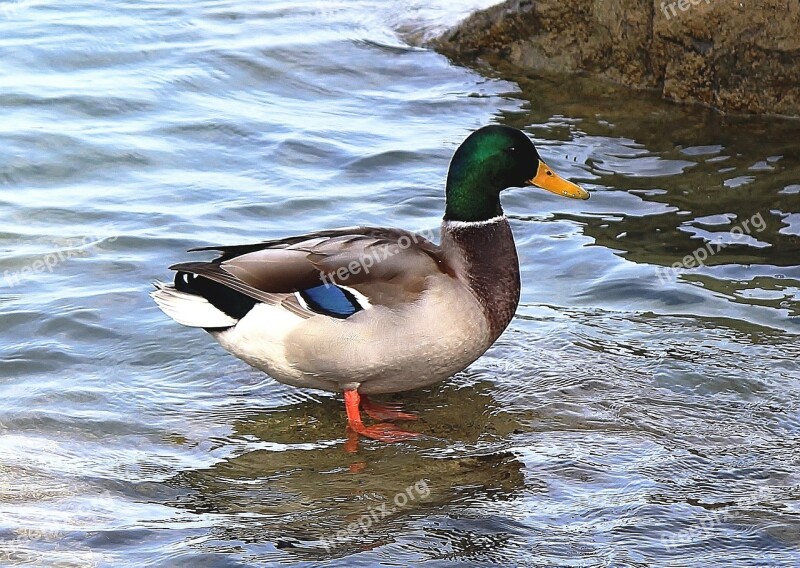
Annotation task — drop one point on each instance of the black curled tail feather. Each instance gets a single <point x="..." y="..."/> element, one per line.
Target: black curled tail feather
<point x="232" y="303"/>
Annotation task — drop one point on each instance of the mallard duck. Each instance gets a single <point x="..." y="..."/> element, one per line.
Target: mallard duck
<point x="372" y="310"/>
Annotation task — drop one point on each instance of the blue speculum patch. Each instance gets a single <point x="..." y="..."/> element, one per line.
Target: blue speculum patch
<point x="331" y="300"/>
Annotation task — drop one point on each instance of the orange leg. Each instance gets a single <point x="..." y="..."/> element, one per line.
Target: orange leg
<point x="383" y="431"/>
<point x="383" y="411"/>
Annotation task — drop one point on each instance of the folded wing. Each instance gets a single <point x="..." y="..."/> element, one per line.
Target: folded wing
<point x="335" y="273"/>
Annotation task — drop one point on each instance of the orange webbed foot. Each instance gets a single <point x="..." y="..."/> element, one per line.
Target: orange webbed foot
<point x="383" y="431"/>
<point x="385" y="411"/>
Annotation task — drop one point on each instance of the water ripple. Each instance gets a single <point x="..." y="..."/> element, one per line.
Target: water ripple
<point x="625" y="417"/>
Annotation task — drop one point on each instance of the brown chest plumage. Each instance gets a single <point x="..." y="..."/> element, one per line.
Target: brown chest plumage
<point x="488" y="261"/>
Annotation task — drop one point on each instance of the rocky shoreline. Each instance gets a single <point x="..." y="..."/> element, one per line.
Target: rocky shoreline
<point x="732" y="55"/>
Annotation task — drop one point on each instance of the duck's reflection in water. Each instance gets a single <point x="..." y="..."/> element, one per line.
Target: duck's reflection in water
<point x="293" y="484"/>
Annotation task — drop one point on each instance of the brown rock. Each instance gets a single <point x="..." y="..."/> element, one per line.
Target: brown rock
<point x="733" y="55"/>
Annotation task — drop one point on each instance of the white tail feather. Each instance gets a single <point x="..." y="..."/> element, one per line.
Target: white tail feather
<point x="189" y="309"/>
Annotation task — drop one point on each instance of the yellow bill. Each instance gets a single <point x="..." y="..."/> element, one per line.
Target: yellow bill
<point x="551" y="181"/>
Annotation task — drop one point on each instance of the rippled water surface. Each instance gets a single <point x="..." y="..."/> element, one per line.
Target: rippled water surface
<point x="632" y="414"/>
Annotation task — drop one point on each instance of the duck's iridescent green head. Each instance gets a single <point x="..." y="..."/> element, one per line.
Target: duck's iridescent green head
<point x="490" y="160"/>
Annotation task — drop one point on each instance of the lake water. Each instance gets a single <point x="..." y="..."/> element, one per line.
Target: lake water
<point x="632" y="415"/>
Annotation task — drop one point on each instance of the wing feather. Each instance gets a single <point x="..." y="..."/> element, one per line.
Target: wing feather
<point x="389" y="267"/>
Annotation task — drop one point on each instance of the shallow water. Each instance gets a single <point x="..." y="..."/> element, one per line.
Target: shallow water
<point x="632" y="415"/>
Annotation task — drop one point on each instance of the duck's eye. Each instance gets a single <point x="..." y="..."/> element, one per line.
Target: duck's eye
<point x="511" y="150"/>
